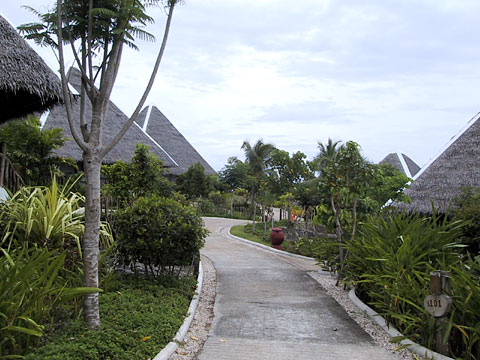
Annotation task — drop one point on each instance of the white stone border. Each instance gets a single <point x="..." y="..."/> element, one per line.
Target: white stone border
<point x="392" y="332"/>
<point x="172" y="346"/>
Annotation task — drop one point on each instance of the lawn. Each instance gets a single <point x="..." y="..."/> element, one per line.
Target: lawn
<point x="245" y="232"/>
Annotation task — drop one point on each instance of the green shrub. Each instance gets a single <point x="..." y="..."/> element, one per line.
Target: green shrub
<point x="465" y="333"/>
<point x="158" y="233"/>
<point x="469" y="210"/>
<point x="205" y="206"/>
<point x="323" y="249"/>
<point x="142" y="176"/>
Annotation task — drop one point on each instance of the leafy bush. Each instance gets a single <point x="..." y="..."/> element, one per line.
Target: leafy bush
<point x="469" y="209"/>
<point x="142" y="176"/>
<point x="323" y="249"/>
<point x="158" y="233"/>
<point x="390" y="263"/>
<point x="31" y="291"/>
<point x="139" y="317"/>
<point x="205" y="206"/>
<point x="465" y="333"/>
<point x="194" y="182"/>
<point x="31" y="149"/>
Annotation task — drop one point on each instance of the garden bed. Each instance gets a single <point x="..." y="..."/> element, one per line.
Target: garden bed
<point x="139" y="316"/>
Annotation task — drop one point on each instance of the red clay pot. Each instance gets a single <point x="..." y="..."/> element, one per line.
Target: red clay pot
<point x="276" y="238"/>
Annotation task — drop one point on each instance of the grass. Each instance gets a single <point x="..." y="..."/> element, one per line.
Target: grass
<point x="139" y="318"/>
<point x="245" y="232"/>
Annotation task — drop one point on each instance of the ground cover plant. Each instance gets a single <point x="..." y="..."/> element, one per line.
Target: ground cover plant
<point x="139" y="318"/>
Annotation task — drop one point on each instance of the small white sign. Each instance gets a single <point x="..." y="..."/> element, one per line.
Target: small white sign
<point x="438" y="305"/>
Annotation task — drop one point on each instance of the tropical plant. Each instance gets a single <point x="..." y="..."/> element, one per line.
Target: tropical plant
<point x="97" y="32"/>
<point x="31" y="148"/>
<point x="465" y="330"/>
<point x="257" y="157"/>
<point x="468" y="209"/>
<point x="344" y="183"/>
<point x="31" y="292"/>
<point x="390" y="262"/>
<point x="47" y="216"/>
<point x="327" y="154"/>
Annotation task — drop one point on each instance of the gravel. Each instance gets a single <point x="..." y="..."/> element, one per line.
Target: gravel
<point x="202" y="320"/>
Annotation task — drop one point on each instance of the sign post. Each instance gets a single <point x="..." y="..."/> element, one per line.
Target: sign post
<point x="438" y="305"/>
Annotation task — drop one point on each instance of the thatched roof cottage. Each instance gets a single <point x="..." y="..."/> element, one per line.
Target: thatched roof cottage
<point x="162" y="138"/>
<point x="403" y="163"/>
<point x="156" y="125"/>
<point x="27" y="84"/>
<point x="442" y="179"/>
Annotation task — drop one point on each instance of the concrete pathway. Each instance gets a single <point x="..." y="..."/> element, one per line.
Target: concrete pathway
<point x="267" y="307"/>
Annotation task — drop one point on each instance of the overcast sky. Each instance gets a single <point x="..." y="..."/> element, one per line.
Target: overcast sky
<point x="392" y="75"/>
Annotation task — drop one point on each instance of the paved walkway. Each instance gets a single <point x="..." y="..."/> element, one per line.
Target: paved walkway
<point x="267" y="307"/>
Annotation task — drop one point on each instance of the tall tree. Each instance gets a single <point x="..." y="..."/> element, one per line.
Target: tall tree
<point x="257" y="157"/>
<point x="235" y="175"/>
<point x="327" y="154"/>
<point x="286" y="173"/>
<point x="345" y="180"/>
<point x="194" y="183"/>
<point x="96" y="31"/>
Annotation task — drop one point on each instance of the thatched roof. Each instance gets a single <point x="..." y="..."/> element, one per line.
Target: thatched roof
<point x="154" y="123"/>
<point x="442" y="180"/>
<point x="114" y="120"/>
<point x="27" y="84"/>
<point x="161" y="136"/>
<point x="403" y="163"/>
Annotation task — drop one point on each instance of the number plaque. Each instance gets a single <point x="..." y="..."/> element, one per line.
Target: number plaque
<point x="438" y="305"/>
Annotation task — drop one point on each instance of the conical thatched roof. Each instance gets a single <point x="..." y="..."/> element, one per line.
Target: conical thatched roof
<point x="114" y="120"/>
<point x="154" y="123"/>
<point x="443" y="178"/>
<point x="162" y="138"/>
<point x="403" y="163"/>
<point x="27" y="84"/>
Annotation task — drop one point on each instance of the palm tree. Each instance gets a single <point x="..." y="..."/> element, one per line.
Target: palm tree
<point x="257" y="157"/>
<point x="327" y="154"/>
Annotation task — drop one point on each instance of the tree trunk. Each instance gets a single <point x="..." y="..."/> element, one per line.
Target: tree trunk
<point x="254" y="214"/>
<point x="3" y="160"/>
<point x="339" y="232"/>
<point x="92" y="166"/>
<point x="264" y="219"/>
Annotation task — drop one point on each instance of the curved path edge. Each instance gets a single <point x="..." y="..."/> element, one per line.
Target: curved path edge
<point x="388" y="328"/>
<point x="172" y="346"/>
